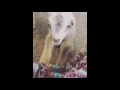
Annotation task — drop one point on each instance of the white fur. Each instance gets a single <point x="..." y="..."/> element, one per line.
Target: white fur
<point x="63" y="32"/>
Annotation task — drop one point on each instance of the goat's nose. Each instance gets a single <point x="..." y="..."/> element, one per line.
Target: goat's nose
<point x="56" y="40"/>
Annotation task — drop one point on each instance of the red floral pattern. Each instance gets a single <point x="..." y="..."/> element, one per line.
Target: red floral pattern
<point x="75" y="68"/>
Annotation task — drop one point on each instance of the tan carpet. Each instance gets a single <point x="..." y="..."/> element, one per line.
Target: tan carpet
<point x="41" y="30"/>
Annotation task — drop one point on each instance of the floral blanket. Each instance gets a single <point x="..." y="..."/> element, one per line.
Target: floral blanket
<point x="75" y="68"/>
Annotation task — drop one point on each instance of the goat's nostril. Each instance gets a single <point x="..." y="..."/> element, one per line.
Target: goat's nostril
<point x="56" y="40"/>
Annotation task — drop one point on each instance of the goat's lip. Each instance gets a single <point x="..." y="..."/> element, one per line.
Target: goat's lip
<point x="58" y="46"/>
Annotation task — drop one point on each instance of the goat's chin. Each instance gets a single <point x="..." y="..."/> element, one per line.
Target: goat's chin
<point x="58" y="45"/>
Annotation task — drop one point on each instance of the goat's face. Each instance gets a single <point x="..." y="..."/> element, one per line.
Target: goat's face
<point x="60" y="25"/>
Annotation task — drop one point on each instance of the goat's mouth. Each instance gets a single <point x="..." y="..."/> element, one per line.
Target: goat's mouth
<point x="58" y="46"/>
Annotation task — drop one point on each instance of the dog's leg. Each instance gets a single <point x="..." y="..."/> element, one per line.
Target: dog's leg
<point x="47" y="52"/>
<point x="65" y="48"/>
<point x="33" y="20"/>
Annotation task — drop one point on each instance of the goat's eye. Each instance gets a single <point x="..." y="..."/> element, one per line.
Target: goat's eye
<point x="49" y="25"/>
<point x="68" y="26"/>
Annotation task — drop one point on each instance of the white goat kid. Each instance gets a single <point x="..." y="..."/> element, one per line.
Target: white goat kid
<point x="62" y="28"/>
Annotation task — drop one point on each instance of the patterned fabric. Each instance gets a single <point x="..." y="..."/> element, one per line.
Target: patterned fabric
<point x="75" y="68"/>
